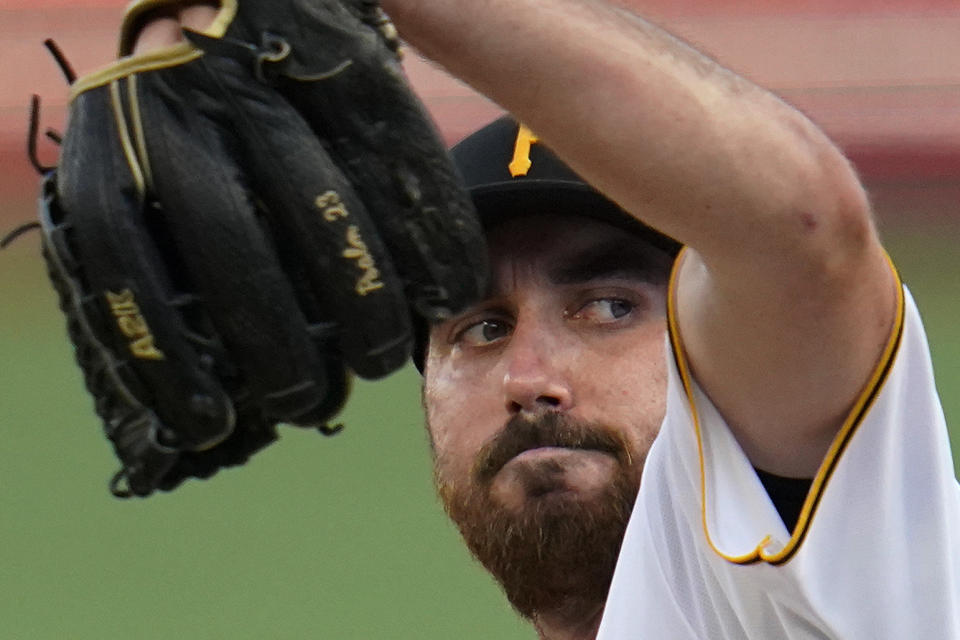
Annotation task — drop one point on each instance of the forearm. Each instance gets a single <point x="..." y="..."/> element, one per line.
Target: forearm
<point x="690" y="147"/>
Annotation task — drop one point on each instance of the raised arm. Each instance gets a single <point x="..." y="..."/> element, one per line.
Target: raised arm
<point x="785" y="298"/>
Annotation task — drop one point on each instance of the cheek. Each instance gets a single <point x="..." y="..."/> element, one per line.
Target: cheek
<point x="643" y="381"/>
<point x="627" y="384"/>
<point x="460" y="418"/>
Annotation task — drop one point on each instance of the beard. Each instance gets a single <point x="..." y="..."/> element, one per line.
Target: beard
<point x="555" y="554"/>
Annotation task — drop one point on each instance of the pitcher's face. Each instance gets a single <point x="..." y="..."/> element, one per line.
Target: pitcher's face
<point x="544" y="397"/>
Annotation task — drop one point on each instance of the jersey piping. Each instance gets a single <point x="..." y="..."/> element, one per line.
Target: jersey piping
<point x="841" y="440"/>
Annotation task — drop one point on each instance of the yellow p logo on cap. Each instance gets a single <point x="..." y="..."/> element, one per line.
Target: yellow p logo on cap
<point x="520" y="164"/>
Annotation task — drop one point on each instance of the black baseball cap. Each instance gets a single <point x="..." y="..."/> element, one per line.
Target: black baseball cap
<point x="508" y="174"/>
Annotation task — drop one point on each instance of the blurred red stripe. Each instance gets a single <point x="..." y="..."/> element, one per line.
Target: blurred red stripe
<point x="661" y="7"/>
<point x="881" y="76"/>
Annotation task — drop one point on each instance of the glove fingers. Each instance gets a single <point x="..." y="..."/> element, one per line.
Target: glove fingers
<point x="391" y="152"/>
<point x="323" y="233"/>
<point x="337" y="54"/>
<point x="223" y="252"/>
<point x="399" y="167"/>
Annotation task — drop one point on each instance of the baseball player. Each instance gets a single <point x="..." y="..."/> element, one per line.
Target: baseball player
<point x="571" y="383"/>
<point x="792" y="352"/>
<point x="740" y="438"/>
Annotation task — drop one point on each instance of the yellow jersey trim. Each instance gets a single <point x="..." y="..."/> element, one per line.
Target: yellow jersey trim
<point x="841" y="440"/>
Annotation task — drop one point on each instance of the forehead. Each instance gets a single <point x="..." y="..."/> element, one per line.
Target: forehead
<point x="564" y="249"/>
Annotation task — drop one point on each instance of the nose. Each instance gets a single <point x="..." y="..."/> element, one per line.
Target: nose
<point x="535" y="379"/>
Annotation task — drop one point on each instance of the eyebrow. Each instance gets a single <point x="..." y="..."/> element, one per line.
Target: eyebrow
<point x="613" y="259"/>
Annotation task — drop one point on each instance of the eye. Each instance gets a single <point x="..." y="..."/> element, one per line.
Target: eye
<point x="604" y="310"/>
<point x="483" y="332"/>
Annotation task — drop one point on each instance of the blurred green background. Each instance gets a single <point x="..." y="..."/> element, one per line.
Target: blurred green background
<point x="342" y="537"/>
<point x="316" y="537"/>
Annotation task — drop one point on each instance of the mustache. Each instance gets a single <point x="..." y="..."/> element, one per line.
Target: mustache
<point x="522" y="433"/>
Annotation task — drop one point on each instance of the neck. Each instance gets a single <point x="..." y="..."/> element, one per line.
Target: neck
<point x="565" y="625"/>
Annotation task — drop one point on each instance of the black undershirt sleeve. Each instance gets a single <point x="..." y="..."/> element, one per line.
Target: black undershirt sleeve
<point x="787" y="494"/>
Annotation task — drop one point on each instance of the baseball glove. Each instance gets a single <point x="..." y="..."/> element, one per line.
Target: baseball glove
<point x="238" y="222"/>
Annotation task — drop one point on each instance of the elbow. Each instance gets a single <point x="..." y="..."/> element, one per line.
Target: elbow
<point x="832" y="222"/>
<point x="836" y="253"/>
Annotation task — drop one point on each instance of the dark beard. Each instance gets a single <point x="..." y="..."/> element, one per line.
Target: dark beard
<point x="556" y="555"/>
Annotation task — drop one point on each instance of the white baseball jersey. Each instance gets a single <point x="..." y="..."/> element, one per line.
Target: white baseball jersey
<point x="875" y="553"/>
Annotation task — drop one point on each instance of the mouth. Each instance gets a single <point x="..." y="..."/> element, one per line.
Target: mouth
<point x="544" y="437"/>
<point x="554" y="473"/>
<point x="537" y="452"/>
<point x="549" y="451"/>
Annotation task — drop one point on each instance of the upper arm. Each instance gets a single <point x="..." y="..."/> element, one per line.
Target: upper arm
<point x="783" y="341"/>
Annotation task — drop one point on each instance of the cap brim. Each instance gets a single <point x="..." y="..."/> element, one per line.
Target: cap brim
<point x="503" y="201"/>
